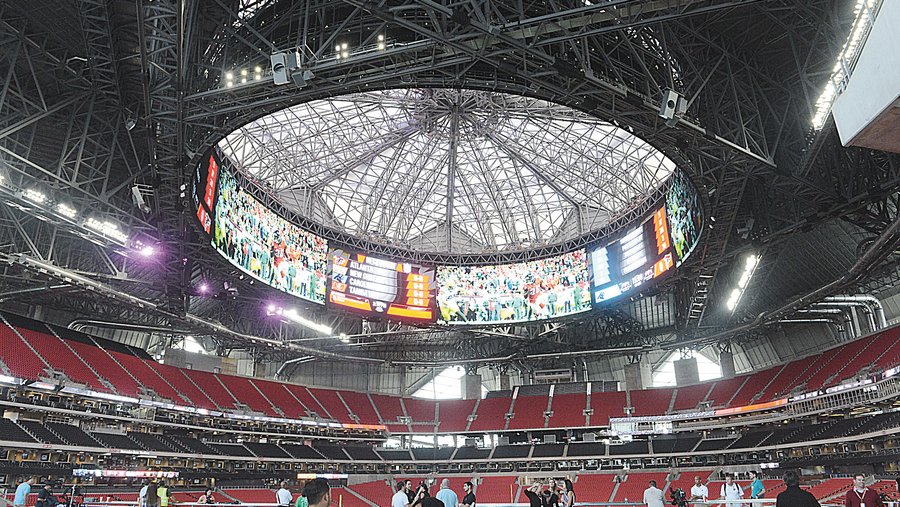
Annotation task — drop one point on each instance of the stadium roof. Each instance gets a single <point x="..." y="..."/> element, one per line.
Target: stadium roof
<point x="459" y="171"/>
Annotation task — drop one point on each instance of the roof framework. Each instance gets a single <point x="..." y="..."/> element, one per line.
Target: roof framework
<point x="454" y="170"/>
<point x="72" y="83"/>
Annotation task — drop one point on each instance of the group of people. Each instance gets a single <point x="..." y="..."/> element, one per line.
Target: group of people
<point x="268" y="246"/>
<point x="445" y="497"/>
<point x="793" y="496"/>
<point x="551" y="494"/>
<point x="156" y="494"/>
<point x="45" y="496"/>
<point x="315" y="493"/>
<point x="514" y="292"/>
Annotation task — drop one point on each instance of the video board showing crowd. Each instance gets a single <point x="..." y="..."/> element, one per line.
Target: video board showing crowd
<point x="266" y="246"/>
<point x="372" y="286"/>
<point x="524" y="291"/>
<point x="275" y="251"/>
<point x="685" y="216"/>
<point x="641" y="255"/>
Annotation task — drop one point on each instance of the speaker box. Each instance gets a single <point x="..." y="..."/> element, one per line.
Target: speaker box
<point x="283" y="64"/>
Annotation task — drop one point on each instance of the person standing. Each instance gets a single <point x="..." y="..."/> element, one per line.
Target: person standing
<point x="653" y="496"/>
<point x="447" y="495"/>
<point x="22" y="492"/>
<point x="317" y="492"/>
<point x="793" y="496"/>
<point x="699" y="491"/>
<point x="45" y="497"/>
<point x="756" y="486"/>
<point x="469" y="498"/>
<point x="162" y="492"/>
<point x="860" y="495"/>
<point x="731" y="490"/>
<point x="142" y="495"/>
<point x="283" y="496"/>
<point x="400" y="499"/>
<point x="152" y="498"/>
<point x="534" y="499"/>
<point x="410" y="493"/>
<point x="568" y="497"/>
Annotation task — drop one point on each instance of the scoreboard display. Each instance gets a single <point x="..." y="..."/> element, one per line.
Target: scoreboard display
<point x="643" y="254"/>
<point x="398" y="290"/>
<point x="204" y="194"/>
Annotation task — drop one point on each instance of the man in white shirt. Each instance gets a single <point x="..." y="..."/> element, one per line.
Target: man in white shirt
<point x="653" y="496"/>
<point x="400" y="499"/>
<point x="283" y="496"/>
<point x="731" y="490"/>
<point x="143" y="494"/>
<point x="699" y="491"/>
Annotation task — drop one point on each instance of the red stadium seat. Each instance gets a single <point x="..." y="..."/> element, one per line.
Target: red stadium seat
<point x="528" y="412"/>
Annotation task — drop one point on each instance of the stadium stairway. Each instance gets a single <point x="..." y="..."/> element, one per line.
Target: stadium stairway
<point x="346" y="497"/>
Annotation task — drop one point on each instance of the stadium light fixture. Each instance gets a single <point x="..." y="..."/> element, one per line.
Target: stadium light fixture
<point x="750" y="264"/>
<point x="106" y="228"/>
<point x="863" y="19"/>
<point x="35" y="196"/>
<point x="66" y="210"/>
<point x="292" y="315"/>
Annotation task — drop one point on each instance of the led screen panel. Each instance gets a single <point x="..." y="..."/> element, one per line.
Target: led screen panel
<point x="265" y="245"/>
<point x="685" y="216"/>
<point x="642" y="254"/>
<point x="204" y="190"/>
<point x="371" y="286"/>
<point x="523" y="291"/>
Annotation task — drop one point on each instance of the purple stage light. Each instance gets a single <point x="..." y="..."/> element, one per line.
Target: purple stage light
<point x="148" y="251"/>
<point x="204" y="288"/>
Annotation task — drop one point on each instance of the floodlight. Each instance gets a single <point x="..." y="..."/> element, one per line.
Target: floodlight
<point x="35" y="196"/>
<point x="66" y="210"/>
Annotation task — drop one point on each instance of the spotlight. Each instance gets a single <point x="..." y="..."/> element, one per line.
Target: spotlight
<point x="381" y="37"/>
<point x="229" y="76"/>
<point x="35" y="196"/>
<point x="344" y="46"/>
<point x="345" y="54"/>
<point x="381" y="45"/>
<point x="147" y="251"/>
<point x="203" y="288"/>
<point x="337" y="48"/>
<point x="66" y="210"/>
<point x="243" y="72"/>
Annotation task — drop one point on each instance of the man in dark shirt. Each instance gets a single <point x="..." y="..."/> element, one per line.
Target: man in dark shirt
<point x="469" y="499"/>
<point x="46" y="498"/>
<point x="534" y="499"/>
<point x="793" y="496"/>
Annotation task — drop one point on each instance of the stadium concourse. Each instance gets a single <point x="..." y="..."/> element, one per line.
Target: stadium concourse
<point x="353" y="253"/>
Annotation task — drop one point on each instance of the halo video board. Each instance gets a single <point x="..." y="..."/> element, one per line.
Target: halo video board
<point x="643" y="254"/>
<point x="266" y="246"/>
<point x="685" y="216"/>
<point x="524" y="291"/>
<point x="372" y="286"/>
